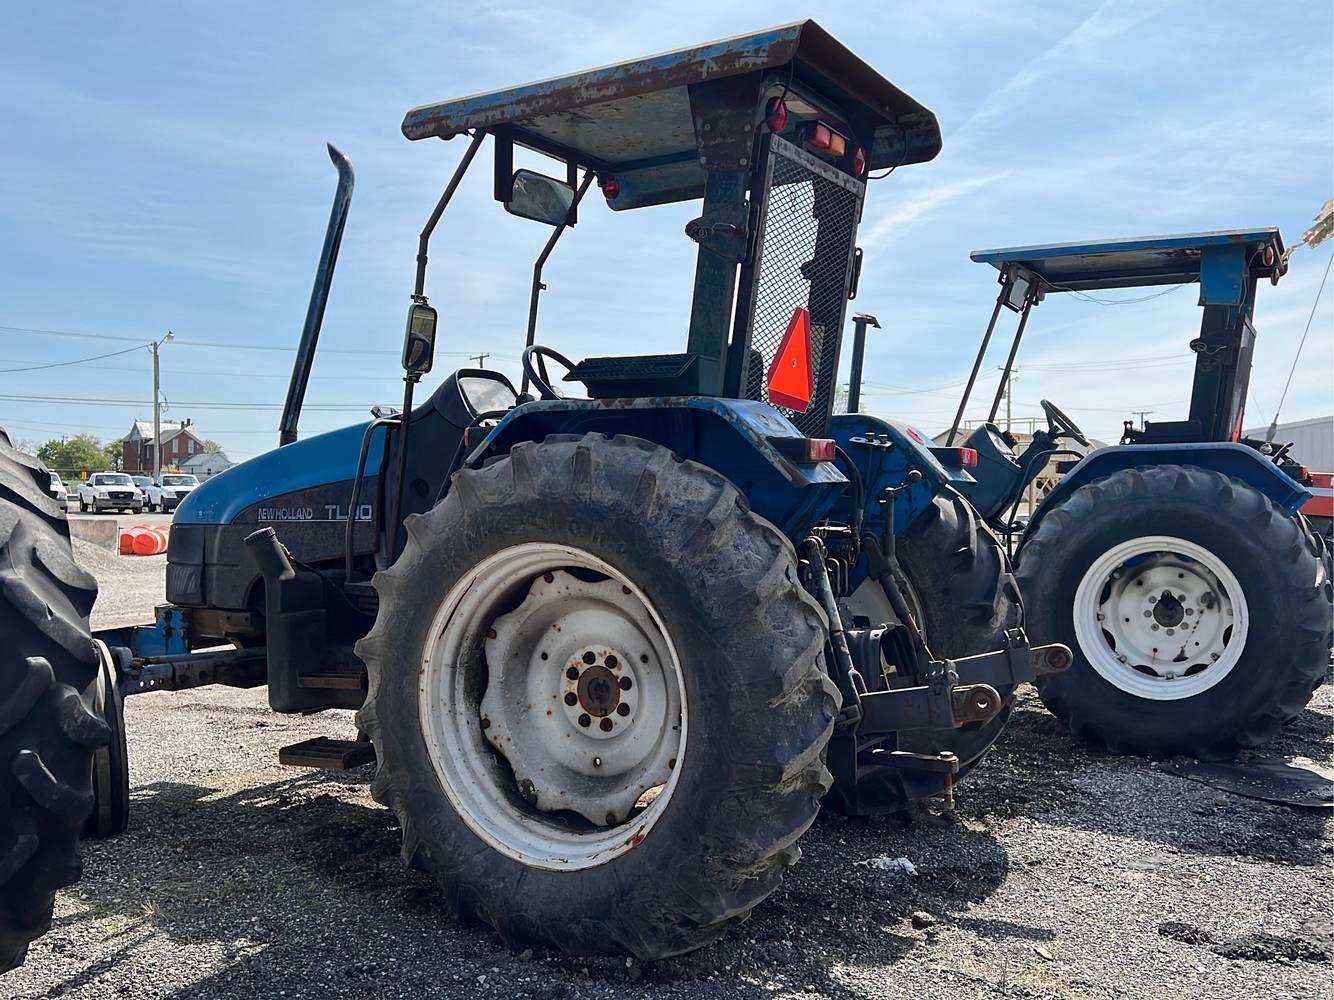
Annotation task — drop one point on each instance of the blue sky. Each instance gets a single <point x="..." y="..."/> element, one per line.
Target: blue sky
<point x="163" y="168"/>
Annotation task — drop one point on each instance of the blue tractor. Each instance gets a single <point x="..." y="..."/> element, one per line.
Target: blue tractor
<point x="611" y="653"/>
<point x="1176" y="566"/>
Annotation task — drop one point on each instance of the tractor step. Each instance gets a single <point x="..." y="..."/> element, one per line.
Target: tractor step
<point x="327" y="754"/>
<point x="338" y="680"/>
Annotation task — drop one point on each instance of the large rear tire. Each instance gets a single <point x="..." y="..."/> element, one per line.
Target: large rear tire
<point x="48" y="677"/>
<point x="965" y="598"/>
<point x="1197" y="611"/>
<point x="584" y="606"/>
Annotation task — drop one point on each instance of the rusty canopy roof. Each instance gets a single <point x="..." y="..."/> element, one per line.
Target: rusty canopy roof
<point x="640" y="110"/>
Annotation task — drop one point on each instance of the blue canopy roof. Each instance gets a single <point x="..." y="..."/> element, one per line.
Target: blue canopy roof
<point x="637" y="113"/>
<point x="1130" y="263"/>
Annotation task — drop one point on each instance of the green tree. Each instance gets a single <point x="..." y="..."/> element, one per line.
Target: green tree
<point x="212" y="448"/>
<point x="81" y="453"/>
<point x="112" y="455"/>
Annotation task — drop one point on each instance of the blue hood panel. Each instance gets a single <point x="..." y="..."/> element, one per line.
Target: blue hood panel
<point x="318" y="461"/>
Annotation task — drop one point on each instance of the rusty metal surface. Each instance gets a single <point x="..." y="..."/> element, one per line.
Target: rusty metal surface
<point x="640" y="109"/>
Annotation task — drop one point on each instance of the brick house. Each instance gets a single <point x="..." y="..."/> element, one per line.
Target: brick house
<point x="179" y="444"/>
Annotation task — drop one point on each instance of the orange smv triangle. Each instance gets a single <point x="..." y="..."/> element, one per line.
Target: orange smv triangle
<point x="791" y="381"/>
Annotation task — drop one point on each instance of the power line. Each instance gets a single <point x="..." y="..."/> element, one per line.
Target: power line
<point x="227" y="345"/>
<point x="64" y="364"/>
<point x="1293" y="370"/>
<point x="184" y="404"/>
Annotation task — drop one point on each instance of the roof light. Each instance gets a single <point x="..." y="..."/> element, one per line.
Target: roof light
<point x="611" y="187"/>
<point x="1269" y="255"/>
<point x="819" y="136"/>
<point x="837" y="144"/>
<point x="775" y="114"/>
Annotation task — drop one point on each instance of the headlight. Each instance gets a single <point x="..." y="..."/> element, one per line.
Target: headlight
<point x="169" y="494"/>
<point x="100" y="491"/>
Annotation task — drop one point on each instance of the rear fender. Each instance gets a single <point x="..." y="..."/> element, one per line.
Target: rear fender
<point x="886" y="451"/>
<point x="733" y="436"/>
<point x="1235" y="460"/>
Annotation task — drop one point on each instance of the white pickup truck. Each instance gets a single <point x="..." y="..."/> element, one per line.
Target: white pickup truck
<point x="167" y="491"/>
<point x="110" y="491"/>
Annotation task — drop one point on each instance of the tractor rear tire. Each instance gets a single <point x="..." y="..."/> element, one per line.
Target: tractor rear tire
<point x="1175" y="557"/>
<point x="755" y="708"/>
<point x="48" y="680"/>
<point x="965" y="597"/>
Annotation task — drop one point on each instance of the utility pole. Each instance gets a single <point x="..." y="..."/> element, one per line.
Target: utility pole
<point x="157" y="407"/>
<point x="1009" y="389"/>
<point x="1141" y="414"/>
<point x="479" y="358"/>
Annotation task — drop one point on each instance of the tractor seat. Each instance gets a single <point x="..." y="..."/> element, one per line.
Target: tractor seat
<point x="638" y="375"/>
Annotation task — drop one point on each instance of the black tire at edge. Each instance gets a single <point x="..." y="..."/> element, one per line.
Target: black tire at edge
<point x="48" y="679"/>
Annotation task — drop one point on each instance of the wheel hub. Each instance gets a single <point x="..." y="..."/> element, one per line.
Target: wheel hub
<point x="580" y="700"/>
<point x="1160" y="617"/>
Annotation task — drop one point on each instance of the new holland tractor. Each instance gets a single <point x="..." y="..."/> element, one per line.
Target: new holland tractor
<point x="1176" y="564"/>
<point x="609" y="653"/>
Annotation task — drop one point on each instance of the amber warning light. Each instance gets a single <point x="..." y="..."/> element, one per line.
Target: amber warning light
<point x="791" y="380"/>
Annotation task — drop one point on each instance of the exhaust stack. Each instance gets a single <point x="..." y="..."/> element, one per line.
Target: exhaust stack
<point x="319" y="298"/>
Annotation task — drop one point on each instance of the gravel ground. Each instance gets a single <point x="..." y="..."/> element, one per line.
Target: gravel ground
<point x="1063" y="873"/>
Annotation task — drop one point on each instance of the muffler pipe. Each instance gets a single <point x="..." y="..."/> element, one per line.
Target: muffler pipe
<point x="319" y="298"/>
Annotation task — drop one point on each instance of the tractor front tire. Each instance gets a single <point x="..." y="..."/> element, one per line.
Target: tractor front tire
<point x="1197" y="611"/>
<point x="48" y="679"/>
<point x="579" y="569"/>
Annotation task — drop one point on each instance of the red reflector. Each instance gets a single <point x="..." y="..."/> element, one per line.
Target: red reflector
<point x="775" y="114"/>
<point x="1269" y="256"/>
<point x="968" y="457"/>
<point x="611" y="187"/>
<point x="859" y="162"/>
<point x="790" y="376"/>
<point x="820" y="449"/>
<point x="820" y="136"/>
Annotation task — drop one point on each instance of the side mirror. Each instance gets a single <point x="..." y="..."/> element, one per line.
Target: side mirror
<point x="540" y="198"/>
<point x="419" y="340"/>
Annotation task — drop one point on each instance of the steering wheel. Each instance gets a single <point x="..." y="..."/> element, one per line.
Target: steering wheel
<point x="1061" y="425"/>
<point x="535" y="367"/>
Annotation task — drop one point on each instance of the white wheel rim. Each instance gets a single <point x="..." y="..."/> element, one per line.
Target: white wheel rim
<point x="524" y="771"/>
<point x="1161" y="618"/>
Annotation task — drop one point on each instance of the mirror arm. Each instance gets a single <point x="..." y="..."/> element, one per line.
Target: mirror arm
<point x="424" y="240"/>
<point x="536" y="291"/>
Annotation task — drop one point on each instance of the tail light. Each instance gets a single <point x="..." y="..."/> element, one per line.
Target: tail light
<point x="805" y="451"/>
<point x="820" y="449"/>
<point x="611" y="187"/>
<point x="775" y="114"/>
<point x="1269" y="256"/>
<point x="858" y="162"/>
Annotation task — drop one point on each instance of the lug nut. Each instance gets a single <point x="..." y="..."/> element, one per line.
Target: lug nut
<point x="606" y="725"/>
<point x="571" y="699"/>
<point x="589" y="658"/>
<point x="612" y="662"/>
<point x="622" y="709"/>
<point x="573" y="672"/>
<point x="626" y="683"/>
<point x="1148" y="614"/>
<point x="1154" y="627"/>
<point x="585" y="721"/>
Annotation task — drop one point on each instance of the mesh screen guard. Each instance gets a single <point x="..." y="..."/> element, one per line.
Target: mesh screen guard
<point x="806" y="227"/>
